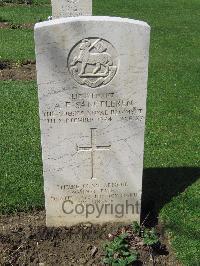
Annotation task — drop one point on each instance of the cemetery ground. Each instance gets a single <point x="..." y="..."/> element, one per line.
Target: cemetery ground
<point x="171" y="170"/>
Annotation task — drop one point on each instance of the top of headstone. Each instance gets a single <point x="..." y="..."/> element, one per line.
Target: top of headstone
<point x="90" y="18"/>
<point x="71" y="8"/>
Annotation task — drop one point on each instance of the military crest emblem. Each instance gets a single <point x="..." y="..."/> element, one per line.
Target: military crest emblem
<point x="93" y="62"/>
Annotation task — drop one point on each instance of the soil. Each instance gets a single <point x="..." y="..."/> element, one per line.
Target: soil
<point x="25" y="240"/>
<point x="17" y="71"/>
<point x="7" y="25"/>
<point x="21" y="3"/>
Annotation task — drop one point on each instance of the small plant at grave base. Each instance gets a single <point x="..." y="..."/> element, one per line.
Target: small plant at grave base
<point x="136" y="228"/>
<point x="118" y="252"/>
<point x="150" y="237"/>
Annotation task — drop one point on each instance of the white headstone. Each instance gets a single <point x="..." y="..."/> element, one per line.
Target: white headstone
<point x="92" y="79"/>
<point x="71" y="8"/>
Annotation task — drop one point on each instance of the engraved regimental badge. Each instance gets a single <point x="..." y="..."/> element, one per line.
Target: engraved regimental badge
<point x="93" y="62"/>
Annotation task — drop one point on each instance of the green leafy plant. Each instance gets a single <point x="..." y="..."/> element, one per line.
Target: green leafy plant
<point x="136" y="228"/>
<point x="150" y="237"/>
<point x="118" y="252"/>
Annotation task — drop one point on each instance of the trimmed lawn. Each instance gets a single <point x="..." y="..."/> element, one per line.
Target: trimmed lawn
<point x="181" y="217"/>
<point x="21" y="183"/>
<point x="16" y="45"/>
<point x="24" y="14"/>
<point x="172" y="143"/>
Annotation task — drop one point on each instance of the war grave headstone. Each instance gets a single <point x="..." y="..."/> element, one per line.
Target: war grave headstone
<point x="71" y="8"/>
<point x="92" y="84"/>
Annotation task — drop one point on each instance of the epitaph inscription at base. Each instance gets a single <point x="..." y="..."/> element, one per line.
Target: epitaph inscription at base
<point x="92" y="83"/>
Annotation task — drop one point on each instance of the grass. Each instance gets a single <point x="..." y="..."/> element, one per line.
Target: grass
<point x="21" y="38"/>
<point x="24" y="14"/>
<point x="172" y="134"/>
<point x="21" y="167"/>
<point x="181" y="217"/>
<point x="16" y="45"/>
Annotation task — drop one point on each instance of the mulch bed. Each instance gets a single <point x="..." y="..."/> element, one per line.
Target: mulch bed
<point x="15" y="71"/>
<point x="25" y="240"/>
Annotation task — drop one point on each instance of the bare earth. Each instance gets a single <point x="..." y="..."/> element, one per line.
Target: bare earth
<point x="15" y="71"/>
<point x="25" y="240"/>
<point x="8" y="25"/>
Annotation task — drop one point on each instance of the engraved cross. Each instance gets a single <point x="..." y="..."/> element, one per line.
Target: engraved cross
<point x="93" y="148"/>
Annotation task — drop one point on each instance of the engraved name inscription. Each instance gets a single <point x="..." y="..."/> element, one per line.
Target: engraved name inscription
<point x="86" y="108"/>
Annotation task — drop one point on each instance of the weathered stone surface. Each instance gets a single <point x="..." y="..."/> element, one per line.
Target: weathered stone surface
<point x="92" y="81"/>
<point x="71" y="8"/>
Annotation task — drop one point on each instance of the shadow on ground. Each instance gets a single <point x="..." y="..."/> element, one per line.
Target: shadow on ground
<point x="160" y="185"/>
